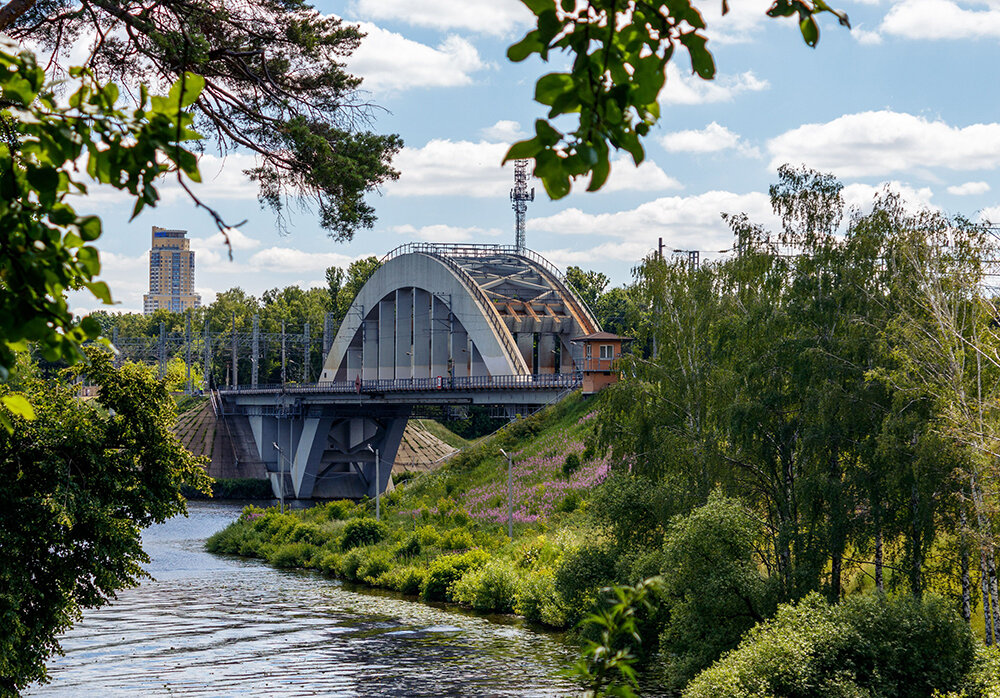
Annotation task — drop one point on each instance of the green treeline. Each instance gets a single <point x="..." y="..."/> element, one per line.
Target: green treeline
<point x="292" y="305"/>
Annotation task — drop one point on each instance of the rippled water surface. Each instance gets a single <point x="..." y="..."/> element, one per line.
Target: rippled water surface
<point x="217" y="626"/>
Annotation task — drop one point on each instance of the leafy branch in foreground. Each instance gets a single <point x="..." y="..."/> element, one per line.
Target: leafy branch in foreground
<point x="45" y="247"/>
<point x="607" y="666"/>
<point x="619" y="53"/>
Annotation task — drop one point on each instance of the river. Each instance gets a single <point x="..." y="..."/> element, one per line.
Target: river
<point x="208" y="625"/>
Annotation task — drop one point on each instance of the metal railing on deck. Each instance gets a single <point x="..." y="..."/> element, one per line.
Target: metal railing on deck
<point x="543" y="381"/>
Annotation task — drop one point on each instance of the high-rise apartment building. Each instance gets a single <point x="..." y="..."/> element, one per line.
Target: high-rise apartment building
<point x="171" y="273"/>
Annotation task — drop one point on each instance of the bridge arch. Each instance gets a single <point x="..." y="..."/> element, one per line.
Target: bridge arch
<point x="459" y="310"/>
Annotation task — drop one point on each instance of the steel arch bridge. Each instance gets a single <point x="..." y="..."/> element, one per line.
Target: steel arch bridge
<point x="434" y="325"/>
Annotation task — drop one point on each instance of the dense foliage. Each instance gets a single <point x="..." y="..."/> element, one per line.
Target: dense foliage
<point x="45" y="247"/>
<point x="80" y="482"/>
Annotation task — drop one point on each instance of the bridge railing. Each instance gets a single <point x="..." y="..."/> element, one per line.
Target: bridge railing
<point x="544" y="381"/>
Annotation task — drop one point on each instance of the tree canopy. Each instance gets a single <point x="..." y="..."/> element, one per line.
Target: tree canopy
<point x="274" y="85"/>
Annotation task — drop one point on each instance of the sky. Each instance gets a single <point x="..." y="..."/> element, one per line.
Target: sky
<point x="908" y="97"/>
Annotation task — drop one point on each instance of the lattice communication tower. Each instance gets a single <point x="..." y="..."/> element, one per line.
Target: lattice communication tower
<point x="520" y="196"/>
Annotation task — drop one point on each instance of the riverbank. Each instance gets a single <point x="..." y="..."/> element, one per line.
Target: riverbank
<point x="443" y="534"/>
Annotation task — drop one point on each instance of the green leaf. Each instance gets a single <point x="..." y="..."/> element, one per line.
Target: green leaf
<point x="702" y="62"/>
<point x="523" y="149"/>
<point x="101" y="292"/>
<point x="90" y="228"/>
<point x="599" y="174"/>
<point x="18" y="405"/>
<point x="192" y="85"/>
<point x="810" y="31"/>
<point x="90" y="259"/>
<point x="525" y="47"/>
<point x="551" y="86"/>
<point x="539" y="6"/>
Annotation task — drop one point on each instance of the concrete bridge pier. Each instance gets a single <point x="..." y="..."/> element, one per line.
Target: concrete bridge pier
<point x="328" y="452"/>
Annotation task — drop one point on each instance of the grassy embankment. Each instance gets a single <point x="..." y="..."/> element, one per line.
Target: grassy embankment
<point x="443" y="533"/>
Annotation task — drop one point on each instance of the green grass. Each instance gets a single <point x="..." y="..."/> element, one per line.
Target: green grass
<point x="443" y="433"/>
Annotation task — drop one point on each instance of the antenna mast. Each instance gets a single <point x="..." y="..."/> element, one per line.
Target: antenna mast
<point x="520" y="196"/>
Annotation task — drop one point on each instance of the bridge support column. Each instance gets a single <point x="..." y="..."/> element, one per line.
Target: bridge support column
<point x="369" y="327"/>
<point x="460" y="351"/>
<point x="386" y="345"/>
<point x="526" y="345"/>
<point x="440" y="338"/>
<point x="404" y="333"/>
<point x="421" y="333"/>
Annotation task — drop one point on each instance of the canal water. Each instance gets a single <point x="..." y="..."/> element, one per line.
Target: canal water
<point x="217" y="626"/>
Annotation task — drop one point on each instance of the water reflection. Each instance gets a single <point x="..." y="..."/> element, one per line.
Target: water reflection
<point x="217" y="626"/>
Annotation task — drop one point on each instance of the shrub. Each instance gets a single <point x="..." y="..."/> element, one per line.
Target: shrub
<point x="537" y="599"/>
<point x="571" y="464"/>
<point x="582" y="572"/>
<point x="291" y="554"/>
<point x="411" y="548"/>
<point x="349" y="564"/>
<point x="868" y="645"/>
<point x="428" y="535"/>
<point x="363" y="531"/>
<point x="307" y="533"/>
<point x="492" y="587"/>
<point x="373" y="565"/>
<point x="457" y="539"/>
<point x="411" y="579"/>
<point x="712" y="575"/>
<point x="329" y="563"/>
<point x="338" y="510"/>
<point x="448" y="569"/>
<point x="569" y="503"/>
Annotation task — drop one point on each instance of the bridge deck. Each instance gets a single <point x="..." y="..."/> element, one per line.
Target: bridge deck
<point x="540" y="382"/>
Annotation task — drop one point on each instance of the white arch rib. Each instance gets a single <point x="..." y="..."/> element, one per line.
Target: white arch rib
<point x="434" y="275"/>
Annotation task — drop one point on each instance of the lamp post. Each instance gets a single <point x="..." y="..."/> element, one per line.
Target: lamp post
<point x="281" y="476"/>
<point x="510" y="496"/>
<point x="378" y="483"/>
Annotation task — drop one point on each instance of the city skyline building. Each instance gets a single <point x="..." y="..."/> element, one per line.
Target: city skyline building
<point x="171" y="273"/>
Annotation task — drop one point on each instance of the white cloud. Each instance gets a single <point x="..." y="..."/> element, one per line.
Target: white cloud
<point x="390" y="62"/>
<point x="503" y="130"/>
<point x="861" y="196"/>
<point x="446" y="233"/>
<point x="291" y="260"/>
<point x="464" y="168"/>
<point x="221" y="178"/>
<point x="625" y="176"/>
<point x="877" y="143"/>
<point x="942" y="19"/>
<point x="691" y="222"/>
<point x="497" y="17"/>
<point x="691" y="89"/>
<point x="741" y="24"/>
<point x="866" y="37"/>
<point x="991" y="215"/>
<point x="711" y="139"/>
<point x="969" y="189"/>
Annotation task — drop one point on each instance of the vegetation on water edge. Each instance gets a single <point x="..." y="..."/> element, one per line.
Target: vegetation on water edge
<point x="233" y="488"/>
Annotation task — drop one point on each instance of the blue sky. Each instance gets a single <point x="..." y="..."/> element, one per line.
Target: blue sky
<point x="909" y="96"/>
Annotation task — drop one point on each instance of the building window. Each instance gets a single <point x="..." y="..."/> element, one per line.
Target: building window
<point x="607" y="351"/>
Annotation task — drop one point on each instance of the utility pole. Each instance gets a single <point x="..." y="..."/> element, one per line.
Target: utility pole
<point x="187" y="352"/>
<point x="207" y="373"/>
<point x="305" y="354"/>
<point x="162" y="350"/>
<point x="510" y="495"/>
<point x="236" y="379"/>
<point x="254" y="360"/>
